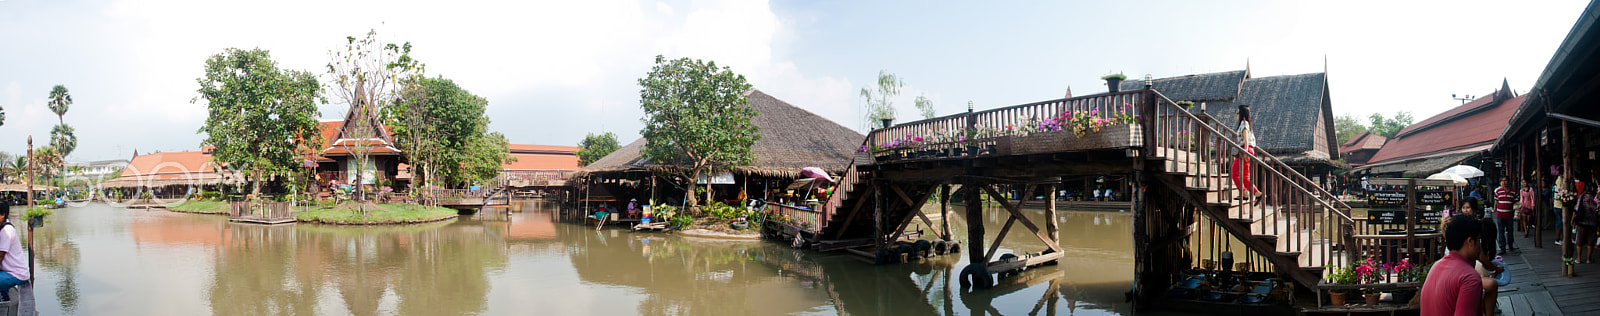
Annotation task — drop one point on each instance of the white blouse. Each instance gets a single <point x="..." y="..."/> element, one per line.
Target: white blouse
<point x="1246" y="137"/>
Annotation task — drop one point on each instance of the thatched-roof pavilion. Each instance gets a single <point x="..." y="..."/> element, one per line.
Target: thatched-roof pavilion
<point x="791" y="138"/>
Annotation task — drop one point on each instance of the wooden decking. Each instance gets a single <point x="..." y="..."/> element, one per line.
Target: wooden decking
<point x="21" y="303"/>
<point x="1539" y="288"/>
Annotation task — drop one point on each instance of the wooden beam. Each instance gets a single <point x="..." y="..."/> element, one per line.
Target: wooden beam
<point x="996" y="267"/>
<point x="1017" y="214"/>
<point x="860" y="201"/>
<point x="916" y="208"/>
<point x="1050" y="225"/>
<point x="999" y="238"/>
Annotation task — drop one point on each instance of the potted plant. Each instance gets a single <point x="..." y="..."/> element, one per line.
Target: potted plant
<point x="1406" y="272"/>
<point x="35" y="216"/>
<point x="1186" y="104"/>
<point x="1114" y="81"/>
<point x="1341" y="276"/>
<point x="1368" y="272"/>
<point x="1568" y="266"/>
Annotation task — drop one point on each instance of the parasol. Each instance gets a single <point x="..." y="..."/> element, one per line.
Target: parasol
<point x="1465" y="171"/>
<point x="1449" y="176"/>
<point x="814" y="172"/>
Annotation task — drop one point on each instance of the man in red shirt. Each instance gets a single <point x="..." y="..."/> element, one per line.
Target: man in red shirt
<point x="1454" y="286"/>
<point x="1504" y="222"/>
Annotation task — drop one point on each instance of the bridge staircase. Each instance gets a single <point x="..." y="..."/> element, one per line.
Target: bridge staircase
<point x="1297" y="228"/>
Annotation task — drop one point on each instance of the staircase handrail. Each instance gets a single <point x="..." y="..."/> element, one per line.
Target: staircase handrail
<point x="1229" y="141"/>
<point x="1233" y="134"/>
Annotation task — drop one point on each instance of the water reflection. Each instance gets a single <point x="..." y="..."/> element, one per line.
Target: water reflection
<point x="102" y="260"/>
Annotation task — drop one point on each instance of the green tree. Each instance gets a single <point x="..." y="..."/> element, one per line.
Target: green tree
<point x="596" y="146"/>
<point x="1388" y="127"/>
<point x="696" y="118"/>
<point x="367" y="75"/>
<point x="444" y="131"/>
<point x="256" y="113"/>
<point x="925" y="105"/>
<point x="59" y="101"/>
<point x="879" y="107"/>
<point x="1346" y="127"/>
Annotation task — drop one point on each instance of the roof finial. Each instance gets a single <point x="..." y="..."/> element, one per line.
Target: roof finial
<point x="1069" y="92"/>
<point x="1505" y="89"/>
<point x="1247" y="67"/>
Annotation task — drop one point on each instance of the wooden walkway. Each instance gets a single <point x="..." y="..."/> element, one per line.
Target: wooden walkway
<point x="1539" y="288"/>
<point x="21" y="303"/>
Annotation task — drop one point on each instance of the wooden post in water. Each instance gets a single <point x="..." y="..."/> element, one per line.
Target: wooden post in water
<point x="974" y="223"/>
<point x="1050" y="213"/>
<point x="877" y="217"/>
<point x="944" y="212"/>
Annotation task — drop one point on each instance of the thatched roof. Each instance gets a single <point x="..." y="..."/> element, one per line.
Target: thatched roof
<point x="1216" y="86"/>
<point x="791" y="138"/>
<point x="1292" y="115"/>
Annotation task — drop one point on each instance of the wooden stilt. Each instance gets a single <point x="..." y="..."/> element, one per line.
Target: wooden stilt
<point x="1016" y="213"/>
<point x="1050" y="226"/>
<point x="877" y="217"/>
<point x="944" y="213"/>
<point x="974" y="224"/>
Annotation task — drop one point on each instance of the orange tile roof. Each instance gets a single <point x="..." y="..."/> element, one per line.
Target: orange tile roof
<point x="1453" y="129"/>
<point x="169" y="164"/>
<point x="543" y="162"/>
<point x="515" y="148"/>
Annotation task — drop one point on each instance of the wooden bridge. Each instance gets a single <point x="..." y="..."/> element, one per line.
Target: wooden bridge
<point x="1179" y="161"/>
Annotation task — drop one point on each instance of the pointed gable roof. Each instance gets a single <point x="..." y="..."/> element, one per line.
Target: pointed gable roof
<point x="350" y="134"/>
<point x="1365" y="140"/>
<point x="1471" y="127"/>
<point x="791" y="138"/>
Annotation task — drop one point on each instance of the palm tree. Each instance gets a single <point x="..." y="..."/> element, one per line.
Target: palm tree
<point x="46" y="161"/>
<point x="64" y="139"/>
<point x="59" y="101"/>
<point x="2" y="116"/>
<point x="5" y="167"/>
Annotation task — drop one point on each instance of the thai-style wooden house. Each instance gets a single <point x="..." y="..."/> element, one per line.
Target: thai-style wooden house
<point x="1460" y="135"/>
<point x="1293" y="114"/>
<point x="1553" y="137"/>
<point x="1359" y="150"/>
<point x="791" y="138"/>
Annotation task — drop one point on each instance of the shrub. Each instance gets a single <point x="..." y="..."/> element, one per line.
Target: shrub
<point x="680" y="221"/>
<point x="35" y="212"/>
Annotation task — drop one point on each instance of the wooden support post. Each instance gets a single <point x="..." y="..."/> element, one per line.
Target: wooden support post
<point x="1567" y="246"/>
<point x="877" y="217"/>
<point x="1050" y="214"/>
<point x="974" y="224"/>
<point x="999" y="238"/>
<point x="944" y="213"/>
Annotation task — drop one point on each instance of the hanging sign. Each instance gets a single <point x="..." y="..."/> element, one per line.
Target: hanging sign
<point x="1435" y="198"/>
<point x="718" y="178"/>
<point x="1386" y="217"/>
<point x="1386" y="198"/>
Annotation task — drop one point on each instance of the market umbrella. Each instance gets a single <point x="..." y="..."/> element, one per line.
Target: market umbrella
<point x="1464" y="171"/>
<point x="814" y="172"/>
<point x="1449" y="176"/>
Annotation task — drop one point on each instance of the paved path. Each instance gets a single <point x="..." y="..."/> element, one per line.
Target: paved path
<point x="1538" y="286"/>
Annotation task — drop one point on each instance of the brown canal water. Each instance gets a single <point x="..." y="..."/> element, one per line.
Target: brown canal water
<point x="101" y="260"/>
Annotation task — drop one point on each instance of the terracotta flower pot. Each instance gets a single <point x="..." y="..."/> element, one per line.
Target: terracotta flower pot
<point x="1372" y="299"/>
<point x="1336" y="298"/>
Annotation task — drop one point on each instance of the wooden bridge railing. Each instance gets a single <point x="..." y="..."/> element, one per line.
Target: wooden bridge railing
<point x="809" y="220"/>
<point x="982" y="128"/>
<point x="1306" y="218"/>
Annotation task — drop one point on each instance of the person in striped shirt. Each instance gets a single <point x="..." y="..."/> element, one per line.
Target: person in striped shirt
<point x="1505" y="223"/>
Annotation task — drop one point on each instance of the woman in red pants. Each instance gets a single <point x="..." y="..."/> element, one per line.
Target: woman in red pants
<point x="1241" y="164"/>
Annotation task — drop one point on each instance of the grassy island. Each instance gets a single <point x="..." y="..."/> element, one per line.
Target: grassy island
<point x="202" y="207"/>
<point x="346" y="214"/>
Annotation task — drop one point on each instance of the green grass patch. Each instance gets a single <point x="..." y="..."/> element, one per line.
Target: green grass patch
<point x="208" y="207"/>
<point x="346" y="213"/>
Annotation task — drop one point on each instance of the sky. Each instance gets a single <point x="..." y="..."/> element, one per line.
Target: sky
<point x="554" y="71"/>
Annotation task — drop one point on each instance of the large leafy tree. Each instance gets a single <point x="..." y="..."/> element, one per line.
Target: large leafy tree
<point x="2" y="116"/>
<point x="257" y="113"/>
<point x="445" y="133"/>
<point x="1388" y="127"/>
<point x="1347" y="126"/>
<point x="879" y="105"/>
<point x="596" y="146"/>
<point x="367" y="75"/>
<point x="696" y="118"/>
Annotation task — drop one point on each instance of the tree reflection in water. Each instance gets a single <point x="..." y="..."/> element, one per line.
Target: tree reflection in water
<point x="530" y="263"/>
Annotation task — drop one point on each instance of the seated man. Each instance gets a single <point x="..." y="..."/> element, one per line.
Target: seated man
<point x="1454" y="286"/>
